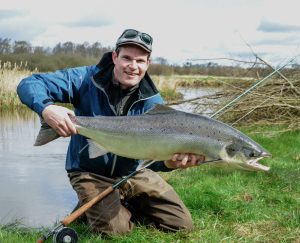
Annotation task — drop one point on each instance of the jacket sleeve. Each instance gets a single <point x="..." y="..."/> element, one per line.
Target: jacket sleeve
<point x="159" y="166"/>
<point x="40" y="90"/>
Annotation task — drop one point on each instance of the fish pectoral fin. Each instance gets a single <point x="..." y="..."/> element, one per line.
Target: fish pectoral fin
<point x="95" y="149"/>
<point x="144" y="164"/>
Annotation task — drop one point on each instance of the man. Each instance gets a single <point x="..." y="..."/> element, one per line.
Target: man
<point x="119" y="85"/>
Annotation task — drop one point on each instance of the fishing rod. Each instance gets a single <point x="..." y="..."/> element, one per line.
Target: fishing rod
<point x="63" y="234"/>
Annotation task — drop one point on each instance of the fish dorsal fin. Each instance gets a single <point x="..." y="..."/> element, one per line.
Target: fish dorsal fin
<point x="159" y="109"/>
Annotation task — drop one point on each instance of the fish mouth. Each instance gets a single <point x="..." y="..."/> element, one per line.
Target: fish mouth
<point x="254" y="162"/>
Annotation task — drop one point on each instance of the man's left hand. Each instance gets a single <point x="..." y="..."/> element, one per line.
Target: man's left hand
<point x="184" y="161"/>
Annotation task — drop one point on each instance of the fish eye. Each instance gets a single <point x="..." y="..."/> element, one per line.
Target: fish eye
<point x="249" y="152"/>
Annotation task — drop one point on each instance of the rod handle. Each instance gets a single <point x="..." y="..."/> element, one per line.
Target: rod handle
<point x="69" y="219"/>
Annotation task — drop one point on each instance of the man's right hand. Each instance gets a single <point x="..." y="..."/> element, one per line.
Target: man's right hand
<point x="58" y="118"/>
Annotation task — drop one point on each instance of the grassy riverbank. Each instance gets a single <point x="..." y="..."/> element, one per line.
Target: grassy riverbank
<point x="196" y="81"/>
<point x="226" y="205"/>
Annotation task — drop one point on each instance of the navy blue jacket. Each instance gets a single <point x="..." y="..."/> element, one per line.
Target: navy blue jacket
<point x="84" y="88"/>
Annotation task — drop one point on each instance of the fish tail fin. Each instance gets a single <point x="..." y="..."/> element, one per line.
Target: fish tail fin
<point x="46" y="134"/>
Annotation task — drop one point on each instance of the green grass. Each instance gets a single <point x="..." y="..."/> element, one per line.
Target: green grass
<point x="171" y="95"/>
<point x="226" y="205"/>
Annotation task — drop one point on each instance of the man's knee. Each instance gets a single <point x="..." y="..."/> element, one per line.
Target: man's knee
<point x="186" y="223"/>
<point x="111" y="229"/>
<point x="179" y="223"/>
<point x="108" y="216"/>
<point x="112" y="221"/>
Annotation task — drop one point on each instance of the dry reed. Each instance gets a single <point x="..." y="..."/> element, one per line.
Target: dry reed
<point x="275" y="101"/>
<point x="10" y="76"/>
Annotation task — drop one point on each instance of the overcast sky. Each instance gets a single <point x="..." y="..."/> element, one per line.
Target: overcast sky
<point x="182" y="29"/>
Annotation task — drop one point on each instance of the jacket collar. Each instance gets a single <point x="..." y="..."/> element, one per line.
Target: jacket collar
<point x="104" y="77"/>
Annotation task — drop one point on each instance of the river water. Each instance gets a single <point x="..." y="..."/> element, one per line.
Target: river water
<point x="34" y="187"/>
<point x="202" y="105"/>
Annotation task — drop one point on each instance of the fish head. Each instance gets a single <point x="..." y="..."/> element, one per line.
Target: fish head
<point x="245" y="154"/>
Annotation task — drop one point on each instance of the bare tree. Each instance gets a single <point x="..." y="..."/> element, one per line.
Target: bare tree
<point x="22" y="47"/>
<point x="5" y="46"/>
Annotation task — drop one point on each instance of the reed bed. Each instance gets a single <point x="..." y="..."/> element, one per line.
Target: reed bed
<point x="167" y="87"/>
<point x="10" y="76"/>
<point x="275" y="101"/>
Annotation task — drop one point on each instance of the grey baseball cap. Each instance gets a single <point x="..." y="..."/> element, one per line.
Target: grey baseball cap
<point x="135" y="37"/>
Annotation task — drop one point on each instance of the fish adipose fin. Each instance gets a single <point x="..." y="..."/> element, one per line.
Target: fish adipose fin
<point x="160" y="109"/>
<point x="95" y="149"/>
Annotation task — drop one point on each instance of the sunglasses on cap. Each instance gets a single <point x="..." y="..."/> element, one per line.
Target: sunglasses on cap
<point x="131" y="36"/>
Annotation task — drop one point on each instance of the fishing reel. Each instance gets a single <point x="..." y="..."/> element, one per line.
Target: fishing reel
<point x="65" y="235"/>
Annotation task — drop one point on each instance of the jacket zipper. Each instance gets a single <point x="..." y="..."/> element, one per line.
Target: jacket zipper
<point x="114" y="111"/>
<point x="99" y="87"/>
<point x="139" y="101"/>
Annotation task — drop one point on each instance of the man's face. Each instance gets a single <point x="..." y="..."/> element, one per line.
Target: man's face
<point x="130" y="65"/>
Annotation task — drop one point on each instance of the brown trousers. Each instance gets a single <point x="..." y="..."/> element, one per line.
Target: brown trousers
<point x="144" y="197"/>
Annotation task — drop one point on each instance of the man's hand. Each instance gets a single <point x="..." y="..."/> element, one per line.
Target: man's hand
<point x="184" y="161"/>
<point x="58" y="118"/>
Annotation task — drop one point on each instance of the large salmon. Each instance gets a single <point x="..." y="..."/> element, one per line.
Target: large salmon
<point x="162" y="132"/>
